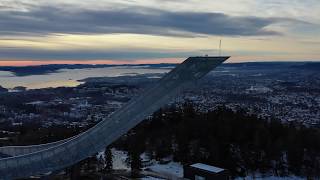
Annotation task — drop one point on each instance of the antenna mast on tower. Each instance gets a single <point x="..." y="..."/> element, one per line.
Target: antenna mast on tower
<point x="220" y="48"/>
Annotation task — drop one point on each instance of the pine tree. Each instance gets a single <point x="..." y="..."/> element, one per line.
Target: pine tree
<point x="135" y="163"/>
<point x="108" y="160"/>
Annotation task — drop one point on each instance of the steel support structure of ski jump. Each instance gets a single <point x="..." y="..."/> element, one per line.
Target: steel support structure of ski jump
<point x="38" y="159"/>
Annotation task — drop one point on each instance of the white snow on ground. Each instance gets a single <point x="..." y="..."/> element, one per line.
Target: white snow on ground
<point x="119" y="159"/>
<point x="173" y="169"/>
<point x="100" y="155"/>
<point x="144" y="157"/>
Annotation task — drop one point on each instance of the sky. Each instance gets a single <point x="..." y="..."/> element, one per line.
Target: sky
<point x="151" y="31"/>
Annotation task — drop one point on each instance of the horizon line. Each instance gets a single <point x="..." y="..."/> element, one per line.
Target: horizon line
<point x="233" y="60"/>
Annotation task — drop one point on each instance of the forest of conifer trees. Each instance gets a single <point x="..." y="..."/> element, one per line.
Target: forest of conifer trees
<point x="241" y="143"/>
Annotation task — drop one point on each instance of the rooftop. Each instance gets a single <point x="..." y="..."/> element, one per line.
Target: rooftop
<point x="207" y="167"/>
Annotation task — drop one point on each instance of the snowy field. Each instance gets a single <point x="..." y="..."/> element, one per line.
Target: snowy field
<point x="172" y="170"/>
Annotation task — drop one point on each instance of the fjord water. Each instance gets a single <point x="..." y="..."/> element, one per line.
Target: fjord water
<point x="71" y="77"/>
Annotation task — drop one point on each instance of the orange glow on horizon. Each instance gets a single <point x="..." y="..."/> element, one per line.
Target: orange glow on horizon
<point x="44" y="62"/>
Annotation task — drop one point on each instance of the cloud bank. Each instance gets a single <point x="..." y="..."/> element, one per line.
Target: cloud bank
<point x="104" y="29"/>
<point x="52" y="20"/>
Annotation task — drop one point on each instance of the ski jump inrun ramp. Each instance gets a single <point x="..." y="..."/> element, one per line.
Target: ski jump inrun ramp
<point x="25" y="161"/>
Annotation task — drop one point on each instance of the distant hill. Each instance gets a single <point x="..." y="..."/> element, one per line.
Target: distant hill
<point x="263" y="65"/>
<point x="52" y="68"/>
<point x="309" y="66"/>
<point x="2" y="89"/>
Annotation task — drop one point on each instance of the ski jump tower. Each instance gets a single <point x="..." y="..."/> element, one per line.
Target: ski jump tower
<point x="24" y="161"/>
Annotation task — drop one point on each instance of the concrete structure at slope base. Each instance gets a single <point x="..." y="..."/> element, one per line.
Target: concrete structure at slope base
<point x="39" y="159"/>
